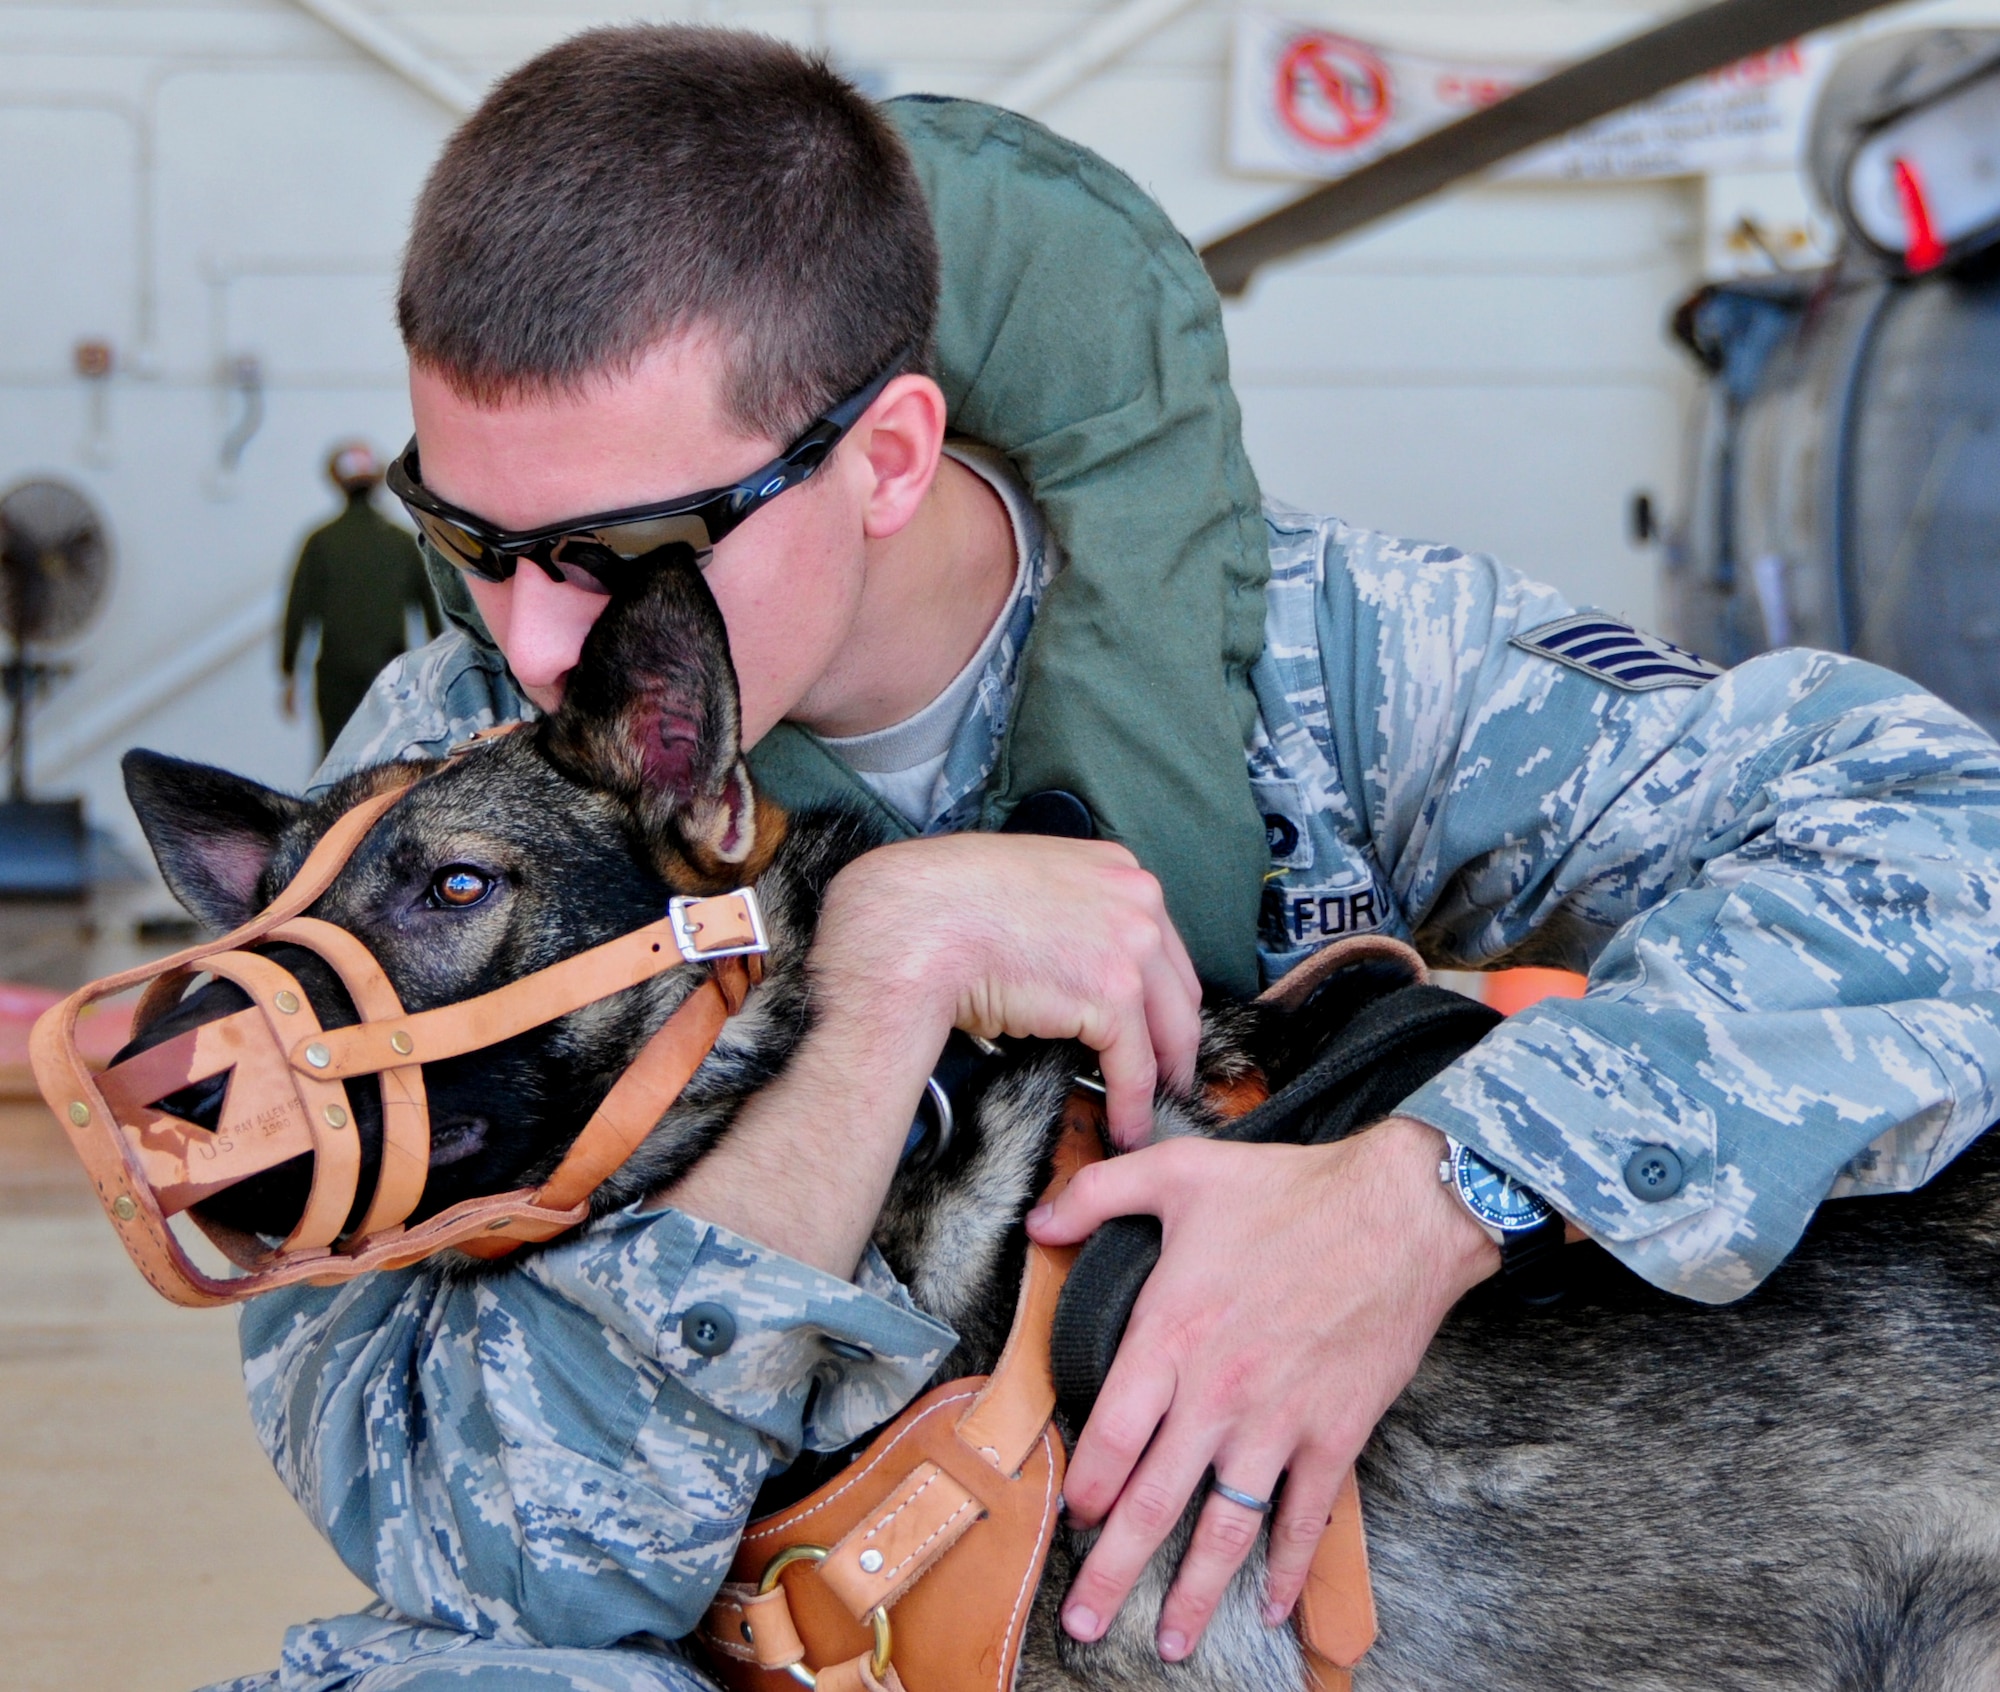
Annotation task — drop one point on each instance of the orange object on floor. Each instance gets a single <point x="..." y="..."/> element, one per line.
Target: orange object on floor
<point x="1511" y="990"/>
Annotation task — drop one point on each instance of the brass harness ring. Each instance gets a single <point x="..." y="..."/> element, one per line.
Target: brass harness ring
<point x="878" y="1618"/>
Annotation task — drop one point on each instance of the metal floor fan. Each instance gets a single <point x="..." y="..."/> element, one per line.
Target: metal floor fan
<point x="55" y="566"/>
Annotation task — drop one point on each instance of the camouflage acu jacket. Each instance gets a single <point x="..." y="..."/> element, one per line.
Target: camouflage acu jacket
<point x="1784" y="882"/>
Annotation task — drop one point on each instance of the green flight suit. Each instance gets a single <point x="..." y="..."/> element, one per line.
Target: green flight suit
<point x="356" y="580"/>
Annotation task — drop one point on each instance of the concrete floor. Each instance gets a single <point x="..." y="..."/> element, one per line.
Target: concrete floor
<point x="148" y="1546"/>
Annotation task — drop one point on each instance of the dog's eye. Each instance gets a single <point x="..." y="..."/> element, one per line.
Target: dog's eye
<point x="459" y="885"/>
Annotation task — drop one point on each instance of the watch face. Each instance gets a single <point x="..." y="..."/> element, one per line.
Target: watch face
<point x="1494" y="1196"/>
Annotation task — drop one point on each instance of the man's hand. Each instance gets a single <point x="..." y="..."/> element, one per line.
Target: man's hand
<point x="1021" y="935"/>
<point x="1296" y="1292"/>
<point x="996" y="934"/>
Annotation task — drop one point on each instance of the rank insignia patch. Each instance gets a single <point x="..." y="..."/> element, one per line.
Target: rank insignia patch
<point x="1616" y="652"/>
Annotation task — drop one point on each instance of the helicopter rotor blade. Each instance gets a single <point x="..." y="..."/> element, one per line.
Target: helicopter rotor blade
<point x="1635" y="69"/>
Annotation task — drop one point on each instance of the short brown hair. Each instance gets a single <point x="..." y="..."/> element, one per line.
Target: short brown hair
<point x="635" y="183"/>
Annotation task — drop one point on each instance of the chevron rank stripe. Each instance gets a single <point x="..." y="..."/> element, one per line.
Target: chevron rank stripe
<point x="1616" y="652"/>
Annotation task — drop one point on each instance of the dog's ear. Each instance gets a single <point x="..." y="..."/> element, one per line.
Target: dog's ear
<point x="651" y="714"/>
<point x="212" y="833"/>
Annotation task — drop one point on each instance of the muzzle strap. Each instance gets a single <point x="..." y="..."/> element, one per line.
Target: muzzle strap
<point x="165" y="979"/>
<point x="406" y="1116"/>
<point x="636" y="1102"/>
<point x="336" y="1144"/>
<point x="472" y="1024"/>
<point x="180" y="1163"/>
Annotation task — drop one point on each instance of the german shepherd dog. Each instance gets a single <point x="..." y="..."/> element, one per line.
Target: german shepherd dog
<point x="1800" y="1490"/>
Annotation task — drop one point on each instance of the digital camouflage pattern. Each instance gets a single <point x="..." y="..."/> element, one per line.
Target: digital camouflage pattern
<point x="539" y="1456"/>
<point x="424" y="704"/>
<point x="1785" y="884"/>
<point x="375" y="1651"/>
<point x="975" y="746"/>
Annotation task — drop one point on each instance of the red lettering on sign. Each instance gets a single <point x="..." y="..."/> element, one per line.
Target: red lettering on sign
<point x="1332" y="92"/>
<point x="1762" y="69"/>
<point x="1455" y="89"/>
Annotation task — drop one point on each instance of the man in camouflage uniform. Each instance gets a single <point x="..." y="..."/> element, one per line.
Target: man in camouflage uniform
<point x="1785" y="882"/>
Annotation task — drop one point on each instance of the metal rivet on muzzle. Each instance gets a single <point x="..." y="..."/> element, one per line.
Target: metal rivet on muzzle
<point x="335" y="1117"/>
<point x="318" y="1056"/>
<point x="287" y="1001"/>
<point x="871" y="1562"/>
<point x="123" y="1208"/>
<point x="79" y="1113"/>
<point x="401" y="1044"/>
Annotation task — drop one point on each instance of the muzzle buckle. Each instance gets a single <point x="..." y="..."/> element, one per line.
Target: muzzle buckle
<point x="730" y="925"/>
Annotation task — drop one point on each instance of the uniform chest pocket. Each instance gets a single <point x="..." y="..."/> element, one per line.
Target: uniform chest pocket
<point x="1287" y="827"/>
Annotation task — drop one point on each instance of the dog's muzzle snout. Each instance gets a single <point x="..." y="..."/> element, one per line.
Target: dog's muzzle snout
<point x="283" y="1074"/>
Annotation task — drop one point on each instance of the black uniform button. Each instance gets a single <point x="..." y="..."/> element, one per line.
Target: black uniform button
<point x="708" y="1330"/>
<point x="849" y="1350"/>
<point x="1654" y="1173"/>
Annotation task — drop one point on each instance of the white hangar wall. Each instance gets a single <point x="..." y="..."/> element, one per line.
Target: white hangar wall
<point x="194" y="184"/>
<point x="208" y="182"/>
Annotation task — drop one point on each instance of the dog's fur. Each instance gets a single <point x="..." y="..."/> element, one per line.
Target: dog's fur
<point x="1627" y="1491"/>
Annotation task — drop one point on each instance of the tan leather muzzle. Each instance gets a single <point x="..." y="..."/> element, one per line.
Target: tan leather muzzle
<point x="285" y="1096"/>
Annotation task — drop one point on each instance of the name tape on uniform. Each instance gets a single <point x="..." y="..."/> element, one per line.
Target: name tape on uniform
<point x="1616" y="652"/>
<point x="1310" y="916"/>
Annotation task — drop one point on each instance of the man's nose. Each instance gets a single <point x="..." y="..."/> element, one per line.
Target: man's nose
<point x="547" y="623"/>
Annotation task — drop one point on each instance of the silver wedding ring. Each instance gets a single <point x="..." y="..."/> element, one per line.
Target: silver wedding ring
<point x="1261" y="1505"/>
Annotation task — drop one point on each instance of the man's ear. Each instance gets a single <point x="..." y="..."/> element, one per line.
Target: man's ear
<point x="900" y="440"/>
<point x="212" y="833"/>
<point x="651" y="714"/>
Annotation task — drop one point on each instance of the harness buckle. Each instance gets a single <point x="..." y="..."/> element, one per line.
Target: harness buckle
<point x="729" y="925"/>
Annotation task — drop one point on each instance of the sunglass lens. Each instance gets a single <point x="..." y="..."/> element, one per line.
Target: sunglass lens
<point x="632" y="541"/>
<point x="590" y="581"/>
<point x="464" y="549"/>
<point x="582" y="564"/>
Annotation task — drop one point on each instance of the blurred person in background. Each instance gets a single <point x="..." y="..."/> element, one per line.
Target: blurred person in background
<point x="356" y="581"/>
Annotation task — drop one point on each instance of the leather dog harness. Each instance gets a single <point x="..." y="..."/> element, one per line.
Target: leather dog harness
<point x="285" y="1095"/>
<point x="946" y="1519"/>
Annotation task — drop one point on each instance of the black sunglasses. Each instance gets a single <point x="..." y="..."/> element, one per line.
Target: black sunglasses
<point x="615" y="552"/>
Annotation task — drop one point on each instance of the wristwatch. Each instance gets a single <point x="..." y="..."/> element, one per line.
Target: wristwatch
<point x="1518" y="1220"/>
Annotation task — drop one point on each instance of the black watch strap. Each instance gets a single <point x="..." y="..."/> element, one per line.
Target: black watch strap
<point x="1531" y="1262"/>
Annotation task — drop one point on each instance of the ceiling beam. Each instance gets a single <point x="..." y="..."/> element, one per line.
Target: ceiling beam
<point x="1114" y="34"/>
<point x="390" y="47"/>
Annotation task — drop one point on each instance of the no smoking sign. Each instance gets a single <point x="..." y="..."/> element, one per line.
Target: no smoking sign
<point x="1307" y="101"/>
<point x="1332" y="92"/>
